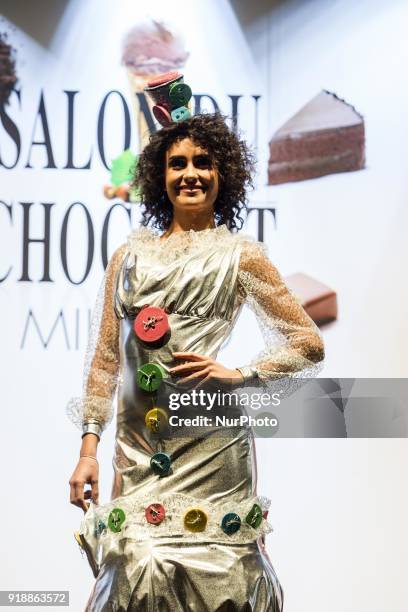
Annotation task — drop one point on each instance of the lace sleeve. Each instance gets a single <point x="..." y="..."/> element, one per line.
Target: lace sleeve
<point x="94" y="410"/>
<point x="293" y="343"/>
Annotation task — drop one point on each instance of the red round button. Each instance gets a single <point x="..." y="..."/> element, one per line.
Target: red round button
<point x="151" y="324"/>
<point x="155" y="514"/>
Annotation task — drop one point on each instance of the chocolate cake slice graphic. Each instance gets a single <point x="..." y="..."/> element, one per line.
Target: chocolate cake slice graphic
<point x="326" y="136"/>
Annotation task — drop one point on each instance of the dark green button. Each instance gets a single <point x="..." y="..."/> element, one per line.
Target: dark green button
<point x="179" y="94"/>
<point x="160" y="463"/>
<point x="150" y="376"/>
<point x="116" y="519"/>
<point x="230" y="523"/>
<point x="101" y="527"/>
<point x="254" y="516"/>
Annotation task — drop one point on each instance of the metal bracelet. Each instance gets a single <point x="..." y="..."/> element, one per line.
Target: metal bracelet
<point x="249" y="373"/>
<point x="91" y="427"/>
<point x="90" y="457"/>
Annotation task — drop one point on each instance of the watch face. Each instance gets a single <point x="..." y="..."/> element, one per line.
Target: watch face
<point x="151" y="325"/>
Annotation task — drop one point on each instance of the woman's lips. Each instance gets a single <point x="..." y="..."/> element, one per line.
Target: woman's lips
<point x="191" y="189"/>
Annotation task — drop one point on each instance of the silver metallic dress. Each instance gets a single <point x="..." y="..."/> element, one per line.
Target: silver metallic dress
<point x="201" y="279"/>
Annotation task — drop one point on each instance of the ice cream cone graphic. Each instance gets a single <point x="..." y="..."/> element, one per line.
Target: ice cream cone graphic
<point x="149" y="49"/>
<point x="137" y="84"/>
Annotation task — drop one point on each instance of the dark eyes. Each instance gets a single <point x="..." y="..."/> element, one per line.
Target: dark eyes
<point x="201" y="161"/>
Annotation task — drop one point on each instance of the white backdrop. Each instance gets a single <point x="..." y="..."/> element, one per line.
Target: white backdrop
<point x="339" y="506"/>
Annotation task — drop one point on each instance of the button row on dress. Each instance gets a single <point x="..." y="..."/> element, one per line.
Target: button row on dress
<point x="152" y="327"/>
<point x="194" y="520"/>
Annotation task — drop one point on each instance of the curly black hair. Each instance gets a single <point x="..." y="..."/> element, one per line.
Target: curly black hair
<point x="234" y="160"/>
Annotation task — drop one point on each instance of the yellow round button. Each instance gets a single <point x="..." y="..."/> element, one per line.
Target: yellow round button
<point x="156" y="420"/>
<point x="195" y="519"/>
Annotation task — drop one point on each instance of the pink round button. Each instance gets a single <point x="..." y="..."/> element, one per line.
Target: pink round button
<point x="162" y="115"/>
<point x="155" y="514"/>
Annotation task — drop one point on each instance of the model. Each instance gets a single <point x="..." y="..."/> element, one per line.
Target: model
<point x="185" y="527"/>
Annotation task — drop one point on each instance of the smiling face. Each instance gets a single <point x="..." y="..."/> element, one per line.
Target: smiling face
<point x="191" y="178"/>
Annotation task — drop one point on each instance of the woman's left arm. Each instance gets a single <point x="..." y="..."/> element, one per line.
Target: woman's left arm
<point x="293" y="342"/>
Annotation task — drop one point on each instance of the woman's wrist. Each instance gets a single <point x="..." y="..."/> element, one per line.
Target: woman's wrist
<point x="89" y="444"/>
<point x="84" y="456"/>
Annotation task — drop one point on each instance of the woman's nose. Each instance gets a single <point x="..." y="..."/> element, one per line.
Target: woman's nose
<point x="190" y="173"/>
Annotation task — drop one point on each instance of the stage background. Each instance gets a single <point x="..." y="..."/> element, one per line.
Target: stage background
<point x="339" y="507"/>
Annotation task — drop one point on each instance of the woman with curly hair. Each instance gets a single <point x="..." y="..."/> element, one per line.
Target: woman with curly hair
<point x="231" y="158"/>
<point x="185" y="526"/>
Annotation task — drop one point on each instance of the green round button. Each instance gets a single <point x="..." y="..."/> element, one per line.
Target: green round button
<point x="254" y="516"/>
<point x="116" y="519"/>
<point x="149" y="376"/>
<point x="179" y="94"/>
